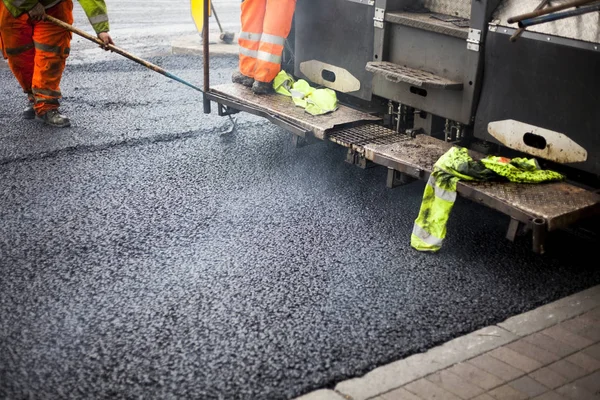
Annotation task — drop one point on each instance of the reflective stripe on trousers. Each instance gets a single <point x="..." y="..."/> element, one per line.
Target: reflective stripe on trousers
<point x="265" y="26"/>
<point x="438" y="199"/>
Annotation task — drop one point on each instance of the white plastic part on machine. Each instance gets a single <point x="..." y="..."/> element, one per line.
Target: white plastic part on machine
<point x="536" y="141"/>
<point x="330" y="76"/>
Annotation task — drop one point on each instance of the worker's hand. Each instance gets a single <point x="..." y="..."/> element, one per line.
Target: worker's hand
<point x="105" y="37"/>
<point x="37" y="12"/>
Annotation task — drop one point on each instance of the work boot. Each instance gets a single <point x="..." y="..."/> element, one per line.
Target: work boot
<point x="55" y="118"/>
<point x="242" y="79"/>
<point x="262" y="87"/>
<point x="29" y="112"/>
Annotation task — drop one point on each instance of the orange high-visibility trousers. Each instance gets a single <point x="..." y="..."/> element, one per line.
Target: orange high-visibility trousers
<point x="266" y="25"/>
<point x="37" y="52"/>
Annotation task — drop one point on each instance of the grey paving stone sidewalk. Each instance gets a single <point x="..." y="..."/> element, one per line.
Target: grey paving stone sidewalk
<point x="551" y="353"/>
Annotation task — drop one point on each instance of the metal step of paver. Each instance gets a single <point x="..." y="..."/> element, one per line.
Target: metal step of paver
<point x="397" y="73"/>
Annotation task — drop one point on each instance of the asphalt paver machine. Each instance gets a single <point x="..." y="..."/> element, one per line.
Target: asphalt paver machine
<point x="416" y="77"/>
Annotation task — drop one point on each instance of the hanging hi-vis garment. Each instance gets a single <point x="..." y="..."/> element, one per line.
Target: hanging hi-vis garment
<point x="429" y="230"/>
<point x="266" y="25"/>
<point x="314" y="101"/>
<point x="37" y="50"/>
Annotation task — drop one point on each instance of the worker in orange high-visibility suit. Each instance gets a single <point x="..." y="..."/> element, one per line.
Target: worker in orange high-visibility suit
<point x="266" y="25"/>
<point x="37" y="50"/>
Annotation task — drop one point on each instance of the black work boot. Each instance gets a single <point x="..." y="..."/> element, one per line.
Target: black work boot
<point x="55" y="118"/>
<point x="262" y="87"/>
<point x="242" y="79"/>
<point x="29" y="112"/>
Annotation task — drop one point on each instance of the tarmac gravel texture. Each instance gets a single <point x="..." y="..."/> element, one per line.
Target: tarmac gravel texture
<point x="144" y="255"/>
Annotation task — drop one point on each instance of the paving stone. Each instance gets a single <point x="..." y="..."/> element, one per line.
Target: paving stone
<point x="565" y="336"/>
<point x="496" y="367"/>
<point x="476" y="376"/>
<point x="552" y="345"/>
<point x="584" y="326"/>
<point x="429" y="391"/>
<point x="549" y="378"/>
<point x="507" y="393"/>
<point x="528" y="386"/>
<point x="399" y="394"/>
<point x="577" y="392"/>
<point x="515" y="359"/>
<point x="399" y="373"/>
<point x="595" y="314"/>
<point x="593" y="351"/>
<point x="550" y="396"/>
<point x="484" y="396"/>
<point x="584" y="361"/>
<point x="455" y="384"/>
<point x="591" y="382"/>
<point x="323" y="394"/>
<point x="550" y="314"/>
<point x="535" y="353"/>
<point x="568" y="370"/>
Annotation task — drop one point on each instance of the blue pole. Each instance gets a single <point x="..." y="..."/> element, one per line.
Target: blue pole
<point x="557" y="16"/>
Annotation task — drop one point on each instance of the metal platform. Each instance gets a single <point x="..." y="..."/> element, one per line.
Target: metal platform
<point x="282" y="111"/>
<point x="538" y="208"/>
<point x="398" y="73"/>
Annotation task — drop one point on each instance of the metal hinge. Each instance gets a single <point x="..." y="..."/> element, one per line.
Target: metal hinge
<point x="474" y="39"/>
<point x="379" y="17"/>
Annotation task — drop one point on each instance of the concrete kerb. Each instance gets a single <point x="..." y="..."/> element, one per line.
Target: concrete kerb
<point x="192" y="45"/>
<point x="392" y="376"/>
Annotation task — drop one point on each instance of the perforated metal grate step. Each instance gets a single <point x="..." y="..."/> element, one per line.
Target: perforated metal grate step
<point x="398" y="73"/>
<point x="357" y="137"/>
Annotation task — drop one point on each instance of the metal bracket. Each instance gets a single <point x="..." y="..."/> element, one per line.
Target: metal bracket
<point x="396" y="178"/>
<point x="379" y="17"/>
<point x="367" y="2"/>
<point x="474" y="39"/>
<point x="355" y="158"/>
<point x="224" y="111"/>
<point x="303" y="141"/>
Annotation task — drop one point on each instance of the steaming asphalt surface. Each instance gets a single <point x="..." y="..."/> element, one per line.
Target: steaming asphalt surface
<point x="143" y="255"/>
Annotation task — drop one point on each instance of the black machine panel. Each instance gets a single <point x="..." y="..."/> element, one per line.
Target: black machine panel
<point x="553" y="84"/>
<point x="338" y="33"/>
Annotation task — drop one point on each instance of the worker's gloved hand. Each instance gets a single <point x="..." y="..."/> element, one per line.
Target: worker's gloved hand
<point x="37" y="12"/>
<point x="105" y="37"/>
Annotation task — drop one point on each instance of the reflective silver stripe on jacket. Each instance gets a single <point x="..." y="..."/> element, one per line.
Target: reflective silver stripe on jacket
<point x="426" y="236"/>
<point x="46" y="92"/>
<point x="96" y="19"/>
<point x="247" y="52"/>
<point x="49" y="48"/>
<point x="272" y="39"/>
<point x="255" y="37"/>
<point x="268" y="57"/>
<point x="441" y="193"/>
<point x="263" y="37"/>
